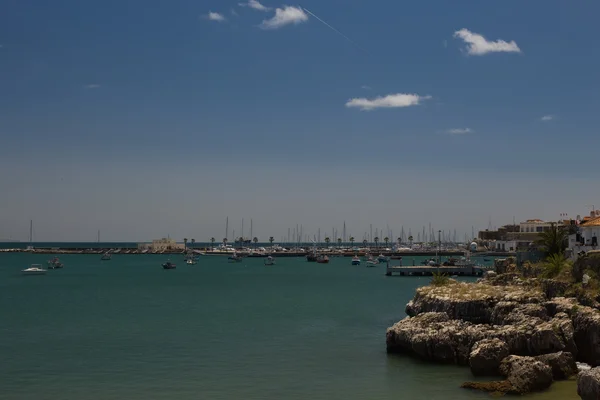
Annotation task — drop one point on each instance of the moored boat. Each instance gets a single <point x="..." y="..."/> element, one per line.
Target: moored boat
<point x="322" y="259"/>
<point x="55" y="263"/>
<point x="355" y="260"/>
<point x="34" y="269"/>
<point x="169" y="265"/>
<point x="106" y="256"/>
<point x="234" y="258"/>
<point x="269" y="260"/>
<point x="381" y="258"/>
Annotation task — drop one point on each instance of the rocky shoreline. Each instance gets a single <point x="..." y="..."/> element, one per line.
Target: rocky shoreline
<point x="521" y="331"/>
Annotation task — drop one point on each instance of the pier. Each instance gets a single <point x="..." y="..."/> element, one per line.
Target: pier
<point x="424" y="270"/>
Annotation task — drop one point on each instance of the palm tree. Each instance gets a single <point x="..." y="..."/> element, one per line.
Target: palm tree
<point x="410" y="240"/>
<point x="376" y="240"/>
<point x="185" y="243"/>
<point x="255" y="240"/>
<point x="553" y="240"/>
<point x="327" y="241"/>
<point x="271" y="240"/>
<point x="365" y="242"/>
<point x="386" y="240"/>
<point x="352" y="241"/>
<point x="554" y="265"/>
<point x="212" y="243"/>
<point x="193" y="241"/>
<point x="225" y="241"/>
<point x="339" y="242"/>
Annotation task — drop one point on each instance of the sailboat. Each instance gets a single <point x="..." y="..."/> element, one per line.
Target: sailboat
<point x="106" y="256"/>
<point x="34" y="269"/>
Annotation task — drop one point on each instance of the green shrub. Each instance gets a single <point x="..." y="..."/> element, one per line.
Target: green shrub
<point x="440" y="279"/>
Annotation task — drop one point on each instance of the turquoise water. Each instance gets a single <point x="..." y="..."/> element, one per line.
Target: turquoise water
<point x="127" y="329"/>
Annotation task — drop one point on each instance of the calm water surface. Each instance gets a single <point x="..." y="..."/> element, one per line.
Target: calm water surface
<point x="127" y="329"/>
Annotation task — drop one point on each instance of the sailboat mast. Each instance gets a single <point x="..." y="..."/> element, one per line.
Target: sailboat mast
<point x="31" y="232"/>
<point x="227" y="228"/>
<point x="98" y="235"/>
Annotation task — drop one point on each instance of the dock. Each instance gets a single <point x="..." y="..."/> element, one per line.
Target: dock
<point x="424" y="270"/>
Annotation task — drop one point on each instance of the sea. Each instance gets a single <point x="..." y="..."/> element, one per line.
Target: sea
<point x="128" y="329"/>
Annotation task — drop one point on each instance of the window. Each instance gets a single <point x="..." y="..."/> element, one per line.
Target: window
<point x="539" y="229"/>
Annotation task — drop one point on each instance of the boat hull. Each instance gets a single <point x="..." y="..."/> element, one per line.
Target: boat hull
<point x="33" y="272"/>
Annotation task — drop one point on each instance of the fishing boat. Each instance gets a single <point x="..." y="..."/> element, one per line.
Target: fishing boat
<point x="234" y="258"/>
<point x="55" y="263"/>
<point x="34" y="269"/>
<point x="323" y="259"/>
<point x="169" y="265"/>
<point x="312" y="256"/>
<point x="355" y="260"/>
<point x="106" y="256"/>
<point x="269" y="261"/>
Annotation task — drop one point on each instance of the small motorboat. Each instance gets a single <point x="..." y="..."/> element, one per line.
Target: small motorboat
<point x="191" y="261"/>
<point x="169" y="265"/>
<point x="381" y="258"/>
<point x="234" y="258"/>
<point x="355" y="260"/>
<point x="105" y="257"/>
<point x="269" y="261"/>
<point x="323" y="259"/>
<point x="55" y="263"/>
<point x="372" y="263"/>
<point x="312" y="257"/>
<point x="34" y="269"/>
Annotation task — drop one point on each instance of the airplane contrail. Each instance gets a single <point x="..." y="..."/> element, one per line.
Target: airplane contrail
<point x="333" y="29"/>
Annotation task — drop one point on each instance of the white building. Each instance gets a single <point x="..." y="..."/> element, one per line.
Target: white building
<point x="535" y="226"/>
<point x="587" y="237"/>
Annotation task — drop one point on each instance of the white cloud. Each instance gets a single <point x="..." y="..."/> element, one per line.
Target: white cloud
<point x="478" y="45"/>
<point x="255" y="4"/>
<point x="546" y="118"/>
<point x="285" y="16"/>
<point x="214" y="16"/>
<point x="92" y="86"/>
<point x="366" y="87"/>
<point x="459" y="131"/>
<point x="389" y="101"/>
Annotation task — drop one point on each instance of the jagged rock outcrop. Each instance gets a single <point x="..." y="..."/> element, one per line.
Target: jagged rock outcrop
<point x="588" y="384"/>
<point x="469" y="302"/>
<point x="486" y="356"/>
<point x="526" y="374"/>
<point x="562" y="364"/>
<point x="512" y="330"/>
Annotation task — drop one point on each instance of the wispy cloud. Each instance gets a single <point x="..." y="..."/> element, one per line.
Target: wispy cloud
<point x="366" y="87"/>
<point x="547" y="118"/>
<point x="256" y="5"/>
<point x="459" y="131"/>
<point x="92" y="86"/>
<point x="390" y="101"/>
<point x="285" y="16"/>
<point x="233" y="12"/>
<point x="215" y="16"/>
<point x="477" y="45"/>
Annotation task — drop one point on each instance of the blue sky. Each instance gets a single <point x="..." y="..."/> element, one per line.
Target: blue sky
<point x="148" y="118"/>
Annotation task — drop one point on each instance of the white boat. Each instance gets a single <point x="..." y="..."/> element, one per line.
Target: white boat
<point x="355" y="260"/>
<point x="190" y="261"/>
<point x="106" y="256"/>
<point x="382" y="258"/>
<point x="35" y="269"/>
<point x="269" y="261"/>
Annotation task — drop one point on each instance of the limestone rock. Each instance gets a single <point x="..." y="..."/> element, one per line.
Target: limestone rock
<point x="586" y="323"/>
<point x="496" y="387"/>
<point x="562" y="364"/>
<point x="526" y="374"/>
<point x="588" y="384"/>
<point x="486" y="356"/>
